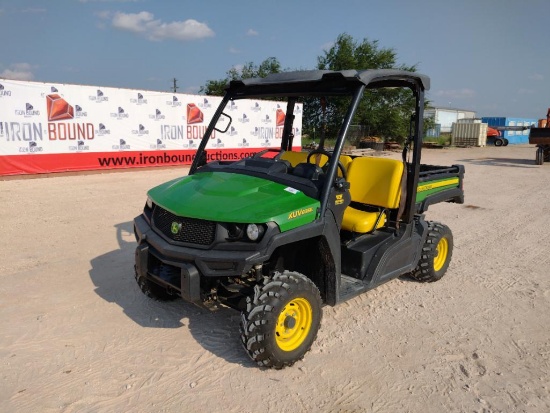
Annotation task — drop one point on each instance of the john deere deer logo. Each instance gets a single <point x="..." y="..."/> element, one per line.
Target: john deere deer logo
<point x="176" y="227"/>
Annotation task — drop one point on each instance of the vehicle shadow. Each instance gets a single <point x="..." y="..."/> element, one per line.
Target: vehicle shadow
<point x="509" y="162"/>
<point x="113" y="277"/>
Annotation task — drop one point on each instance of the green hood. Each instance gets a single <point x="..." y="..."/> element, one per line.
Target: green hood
<point x="229" y="197"/>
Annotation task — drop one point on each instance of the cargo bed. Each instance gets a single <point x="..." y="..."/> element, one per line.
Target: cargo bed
<point x="439" y="184"/>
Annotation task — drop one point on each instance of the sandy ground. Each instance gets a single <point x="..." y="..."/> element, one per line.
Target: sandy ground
<point x="77" y="335"/>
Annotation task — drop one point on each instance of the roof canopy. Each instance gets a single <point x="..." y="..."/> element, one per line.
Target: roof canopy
<point x="325" y="82"/>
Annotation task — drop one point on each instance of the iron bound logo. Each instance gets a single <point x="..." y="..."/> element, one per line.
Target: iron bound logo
<point x="194" y="114"/>
<point x="232" y="131"/>
<point x="79" y="147"/>
<point x="3" y="91"/>
<point x="174" y="102"/>
<point x="158" y="145"/>
<point x="120" y="114"/>
<point x="79" y="112"/>
<point x="29" y="111"/>
<point x="102" y="130"/>
<point x="243" y="144"/>
<point x="157" y="116"/>
<point x="190" y="144"/>
<point x="140" y="131"/>
<point x="121" y="146"/>
<point x="280" y="114"/>
<point x="31" y="148"/>
<point x="205" y="104"/>
<point x="217" y="143"/>
<point x="58" y="108"/>
<point x="99" y="97"/>
<point x="140" y="100"/>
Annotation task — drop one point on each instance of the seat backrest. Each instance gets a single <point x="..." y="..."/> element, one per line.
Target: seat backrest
<point x="294" y="157"/>
<point x="346" y="161"/>
<point x="376" y="181"/>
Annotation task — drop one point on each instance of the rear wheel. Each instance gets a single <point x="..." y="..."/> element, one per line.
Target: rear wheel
<point x="281" y="320"/>
<point x="436" y="253"/>
<point x="539" y="159"/>
<point x="506" y="142"/>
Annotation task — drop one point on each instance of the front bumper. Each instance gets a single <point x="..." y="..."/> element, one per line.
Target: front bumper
<point x="192" y="263"/>
<point x="209" y="262"/>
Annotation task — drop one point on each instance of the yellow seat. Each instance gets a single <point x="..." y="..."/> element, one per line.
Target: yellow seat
<point x="359" y="221"/>
<point x="373" y="182"/>
<point x="345" y="160"/>
<point x="294" y="157"/>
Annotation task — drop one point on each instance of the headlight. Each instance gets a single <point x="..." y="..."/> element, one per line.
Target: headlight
<point x="149" y="203"/>
<point x="254" y="232"/>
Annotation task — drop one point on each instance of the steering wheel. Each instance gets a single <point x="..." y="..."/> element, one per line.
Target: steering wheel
<point x="319" y="151"/>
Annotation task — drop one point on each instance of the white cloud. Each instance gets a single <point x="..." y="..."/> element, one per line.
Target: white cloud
<point x="456" y="93"/>
<point x="536" y="76"/>
<point x="252" y="32"/>
<point x="18" y="71"/>
<point x="523" y="91"/>
<point x="234" y="50"/>
<point x="145" y="24"/>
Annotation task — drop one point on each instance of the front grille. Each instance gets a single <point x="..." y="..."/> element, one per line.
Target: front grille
<point x="180" y="229"/>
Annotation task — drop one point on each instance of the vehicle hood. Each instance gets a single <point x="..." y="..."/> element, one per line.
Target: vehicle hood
<point x="232" y="197"/>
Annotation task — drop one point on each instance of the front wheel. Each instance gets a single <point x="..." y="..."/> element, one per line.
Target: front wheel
<point x="281" y="320"/>
<point x="436" y="253"/>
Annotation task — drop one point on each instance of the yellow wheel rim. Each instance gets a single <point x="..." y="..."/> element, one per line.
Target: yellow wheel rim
<point x="441" y="252"/>
<point x="293" y="324"/>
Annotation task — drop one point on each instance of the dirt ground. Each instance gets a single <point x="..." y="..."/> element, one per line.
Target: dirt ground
<point x="77" y="335"/>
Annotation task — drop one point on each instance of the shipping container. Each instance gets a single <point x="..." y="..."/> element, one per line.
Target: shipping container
<point x="513" y="136"/>
<point x="469" y="134"/>
<point x="445" y="117"/>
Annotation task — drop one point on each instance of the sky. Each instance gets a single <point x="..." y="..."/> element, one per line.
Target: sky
<point x="489" y="56"/>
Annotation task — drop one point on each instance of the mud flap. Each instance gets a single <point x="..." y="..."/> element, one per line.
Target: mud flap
<point x="190" y="284"/>
<point x="142" y="256"/>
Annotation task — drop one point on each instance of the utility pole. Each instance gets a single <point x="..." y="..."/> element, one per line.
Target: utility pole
<point x="174" y="85"/>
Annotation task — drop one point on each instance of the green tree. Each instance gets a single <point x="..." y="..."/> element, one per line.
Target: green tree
<point x="249" y="70"/>
<point x="382" y="112"/>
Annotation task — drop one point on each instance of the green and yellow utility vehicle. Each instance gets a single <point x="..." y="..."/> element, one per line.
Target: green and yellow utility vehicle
<point x="280" y="234"/>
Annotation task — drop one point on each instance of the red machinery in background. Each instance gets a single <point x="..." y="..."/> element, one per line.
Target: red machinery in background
<point x="541" y="137"/>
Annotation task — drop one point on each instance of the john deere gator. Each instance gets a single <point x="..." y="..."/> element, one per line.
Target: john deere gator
<point x="282" y="233"/>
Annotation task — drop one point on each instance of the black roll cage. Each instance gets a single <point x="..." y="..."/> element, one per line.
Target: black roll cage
<point x="324" y="83"/>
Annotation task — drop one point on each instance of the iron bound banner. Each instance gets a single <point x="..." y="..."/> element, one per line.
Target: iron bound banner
<point x="60" y="127"/>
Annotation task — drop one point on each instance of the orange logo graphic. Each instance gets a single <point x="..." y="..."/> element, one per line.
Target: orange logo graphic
<point x="58" y="108"/>
<point x="280" y="117"/>
<point x="194" y="114"/>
